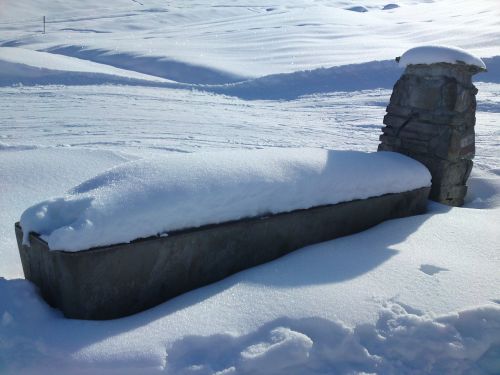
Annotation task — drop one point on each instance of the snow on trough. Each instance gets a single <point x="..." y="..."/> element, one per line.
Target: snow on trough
<point x="149" y="197"/>
<point x="439" y="54"/>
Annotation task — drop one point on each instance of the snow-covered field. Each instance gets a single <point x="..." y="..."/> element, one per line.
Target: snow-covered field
<point x="109" y="84"/>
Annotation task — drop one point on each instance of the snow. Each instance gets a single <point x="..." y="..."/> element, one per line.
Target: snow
<point x="148" y="197"/>
<point x="18" y="63"/>
<point x="28" y="172"/>
<point x="216" y="42"/>
<point x="413" y="295"/>
<point x="439" y="54"/>
<point x="362" y="300"/>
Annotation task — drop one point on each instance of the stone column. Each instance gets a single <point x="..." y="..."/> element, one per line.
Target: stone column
<point x="431" y="118"/>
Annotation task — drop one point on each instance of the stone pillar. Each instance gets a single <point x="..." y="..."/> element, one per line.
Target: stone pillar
<point x="431" y="118"/>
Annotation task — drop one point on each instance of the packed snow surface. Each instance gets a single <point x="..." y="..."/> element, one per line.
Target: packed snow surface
<point x="148" y="197"/>
<point x="439" y="54"/>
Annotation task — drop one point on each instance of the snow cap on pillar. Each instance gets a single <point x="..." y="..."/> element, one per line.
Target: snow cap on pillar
<point x="435" y="54"/>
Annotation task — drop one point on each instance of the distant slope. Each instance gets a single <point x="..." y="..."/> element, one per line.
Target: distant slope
<point x="225" y="41"/>
<point x="22" y="66"/>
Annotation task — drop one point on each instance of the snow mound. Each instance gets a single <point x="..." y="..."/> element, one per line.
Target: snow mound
<point x="439" y="54"/>
<point x="157" y="66"/>
<point x="400" y="342"/>
<point x="155" y="196"/>
<point x="20" y="63"/>
<point x="19" y="163"/>
<point x="373" y="74"/>
<point x="283" y="349"/>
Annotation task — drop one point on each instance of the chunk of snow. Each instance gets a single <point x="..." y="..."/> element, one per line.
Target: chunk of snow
<point x="153" y="196"/>
<point x="284" y="349"/>
<point x="439" y="54"/>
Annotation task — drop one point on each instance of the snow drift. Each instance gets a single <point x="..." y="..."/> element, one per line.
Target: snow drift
<point x="150" y="197"/>
<point x="20" y="65"/>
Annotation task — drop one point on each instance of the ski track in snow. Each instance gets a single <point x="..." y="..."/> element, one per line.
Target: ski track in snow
<point x="410" y="296"/>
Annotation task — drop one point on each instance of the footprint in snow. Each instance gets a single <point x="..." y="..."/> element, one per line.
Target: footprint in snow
<point x="431" y="270"/>
<point x="496" y="301"/>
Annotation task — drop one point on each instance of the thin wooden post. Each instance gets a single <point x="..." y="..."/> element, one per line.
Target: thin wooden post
<point x="44" y="24"/>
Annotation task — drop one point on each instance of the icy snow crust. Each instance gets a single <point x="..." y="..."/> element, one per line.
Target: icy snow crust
<point x="149" y="197"/>
<point x="439" y="54"/>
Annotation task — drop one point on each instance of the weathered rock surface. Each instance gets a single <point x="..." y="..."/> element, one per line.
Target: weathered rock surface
<point x="431" y="118"/>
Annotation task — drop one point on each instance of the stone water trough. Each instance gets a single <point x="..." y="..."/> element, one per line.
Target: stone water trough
<point x="114" y="281"/>
<point x="111" y="281"/>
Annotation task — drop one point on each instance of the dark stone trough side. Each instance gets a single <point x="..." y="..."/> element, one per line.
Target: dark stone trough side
<point x="119" y="280"/>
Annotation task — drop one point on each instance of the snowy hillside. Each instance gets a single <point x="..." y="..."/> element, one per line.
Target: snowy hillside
<point x="108" y="84"/>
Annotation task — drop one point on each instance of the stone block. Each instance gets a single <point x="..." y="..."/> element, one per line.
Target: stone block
<point x="414" y="145"/>
<point x="425" y="94"/>
<point x="449" y="195"/>
<point x="454" y="145"/>
<point x="398" y="110"/>
<point x="461" y="73"/>
<point x="465" y="100"/>
<point x="445" y="172"/>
